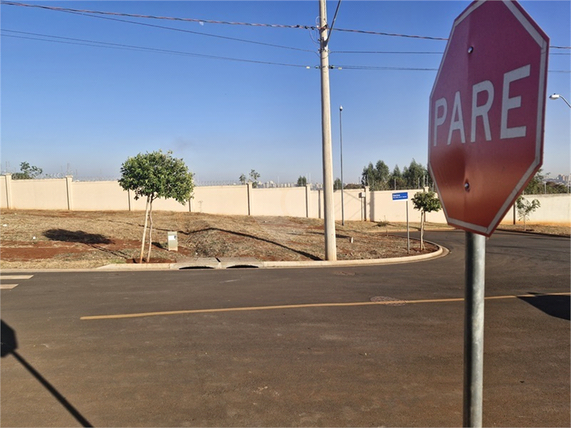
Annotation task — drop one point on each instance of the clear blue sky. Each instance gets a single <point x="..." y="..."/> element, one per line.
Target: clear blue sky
<point x="88" y="108"/>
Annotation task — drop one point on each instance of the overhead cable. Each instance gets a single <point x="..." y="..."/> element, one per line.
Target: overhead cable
<point x="95" y="43"/>
<point x="207" y="21"/>
<point x="210" y="21"/>
<point x="145" y="24"/>
<point x="110" y="45"/>
<point x="168" y="18"/>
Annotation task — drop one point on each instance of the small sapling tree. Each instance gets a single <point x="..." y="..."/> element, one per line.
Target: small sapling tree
<point x="254" y="176"/>
<point x="156" y="175"/>
<point x="27" y="172"/>
<point x="425" y="202"/>
<point x="525" y="208"/>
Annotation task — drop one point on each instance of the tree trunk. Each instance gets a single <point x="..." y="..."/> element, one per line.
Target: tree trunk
<point x="150" y="231"/>
<point x="422" y="214"/>
<point x="144" y="230"/>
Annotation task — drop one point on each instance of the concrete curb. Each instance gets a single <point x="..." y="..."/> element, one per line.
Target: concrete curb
<point x="253" y="263"/>
<point x="239" y="262"/>
<point x="530" y="232"/>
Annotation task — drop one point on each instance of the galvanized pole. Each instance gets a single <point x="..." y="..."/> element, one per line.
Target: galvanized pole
<point x="330" y="245"/>
<point x="341" y="151"/>
<point x="475" y="265"/>
<point x="407" y="230"/>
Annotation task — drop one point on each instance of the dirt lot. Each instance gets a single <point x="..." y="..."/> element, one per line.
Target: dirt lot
<point x="72" y="239"/>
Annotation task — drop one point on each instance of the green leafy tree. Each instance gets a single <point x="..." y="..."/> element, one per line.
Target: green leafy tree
<point x="337" y="185"/>
<point x="376" y="177"/>
<point x="525" y="208"/>
<point x="156" y="175"/>
<point x="301" y="181"/>
<point x="396" y="179"/>
<point x="552" y="187"/>
<point x="353" y="186"/>
<point x="27" y="172"/>
<point x="242" y="179"/>
<point x="535" y="185"/>
<point x="414" y="175"/>
<point x="254" y="176"/>
<point x="425" y="202"/>
<point x="538" y="185"/>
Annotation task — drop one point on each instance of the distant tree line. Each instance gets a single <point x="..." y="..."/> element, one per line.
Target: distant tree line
<point x="379" y="177"/>
<point x="538" y="186"/>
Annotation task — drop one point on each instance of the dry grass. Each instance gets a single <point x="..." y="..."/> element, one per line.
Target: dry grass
<point x="75" y="239"/>
<point x="72" y="239"/>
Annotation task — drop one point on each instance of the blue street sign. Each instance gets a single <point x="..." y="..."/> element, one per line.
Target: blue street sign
<point x="400" y="196"/>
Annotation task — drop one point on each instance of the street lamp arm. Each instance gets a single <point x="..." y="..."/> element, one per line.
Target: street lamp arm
<point x="557" y="96"/>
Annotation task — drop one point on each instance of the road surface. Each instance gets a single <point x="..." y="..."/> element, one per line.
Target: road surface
<point x="350" y="346"/>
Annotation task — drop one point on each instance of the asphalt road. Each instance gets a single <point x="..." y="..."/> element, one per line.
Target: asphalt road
<point x="290" y="347"/>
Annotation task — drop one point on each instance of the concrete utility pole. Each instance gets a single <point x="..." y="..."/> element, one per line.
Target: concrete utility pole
<point x="330" y="245"/>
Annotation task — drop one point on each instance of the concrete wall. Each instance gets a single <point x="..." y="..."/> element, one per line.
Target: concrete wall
<point x="286" y="201"/>
<point x="382" y="207"/>
<point x="66" y="194"/>
<point x="39" y="194"/>
<point x="99" y="196"/>
<point x="229" y="200"/>
<point x="554" y="209"/>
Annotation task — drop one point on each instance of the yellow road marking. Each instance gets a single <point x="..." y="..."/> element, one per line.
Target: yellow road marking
<point x="300" y="306"/>
<point x="7" y="286"/>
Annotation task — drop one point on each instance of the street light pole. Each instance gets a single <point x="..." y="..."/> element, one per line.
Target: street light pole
<point x="328" y="207"/>
<point x="556" y="96"/>
<point x="341" y="151"/>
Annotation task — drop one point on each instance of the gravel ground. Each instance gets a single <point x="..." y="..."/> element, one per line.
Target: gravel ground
<point x="75" y="239"/>
<point x="72" y="239"/>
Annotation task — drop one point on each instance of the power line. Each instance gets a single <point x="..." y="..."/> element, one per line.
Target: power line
<point x="168" y="18"/>
<point x="109" y="45"/>
<point x="209" y="21"/>
<point x="377" y="68"/>
<point x="193" y="32"/>
<point x="372" y="67"/>
<point x="389" y="52"/>
<point x="379" y="33"/>
<point x="416" y="52"/>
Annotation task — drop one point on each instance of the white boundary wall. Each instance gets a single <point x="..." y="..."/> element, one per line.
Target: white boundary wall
<point x="66" y="194"/>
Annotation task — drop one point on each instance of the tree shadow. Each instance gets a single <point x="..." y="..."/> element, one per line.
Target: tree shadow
<point x="78" y="236"/>
<point x="257" y="238"/>
<point x="9" y="346"/>
<point x="554" y="305"/>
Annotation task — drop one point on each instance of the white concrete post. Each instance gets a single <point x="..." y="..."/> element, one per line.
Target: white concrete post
<point x="249" y="187"/>
<point x="9" y="203"/>
<point x="68" y="183"/>
<point x="307" y="196"/>
<point x="367" y="204"/>
<point x="328" y="202"/>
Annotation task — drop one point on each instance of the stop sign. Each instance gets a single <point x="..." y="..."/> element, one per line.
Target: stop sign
<point x="487" y="112"/>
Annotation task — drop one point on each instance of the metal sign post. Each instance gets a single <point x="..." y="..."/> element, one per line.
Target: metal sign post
<point x="403" y="196"/>
<point x="485" y="143"/>
<point x="475" y="266"/>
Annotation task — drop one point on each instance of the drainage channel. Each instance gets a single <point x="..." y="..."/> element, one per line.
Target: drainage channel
<point x="219" y="263"/>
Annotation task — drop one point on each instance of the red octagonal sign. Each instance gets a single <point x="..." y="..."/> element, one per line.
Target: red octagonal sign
<point x="487" y="112"/>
